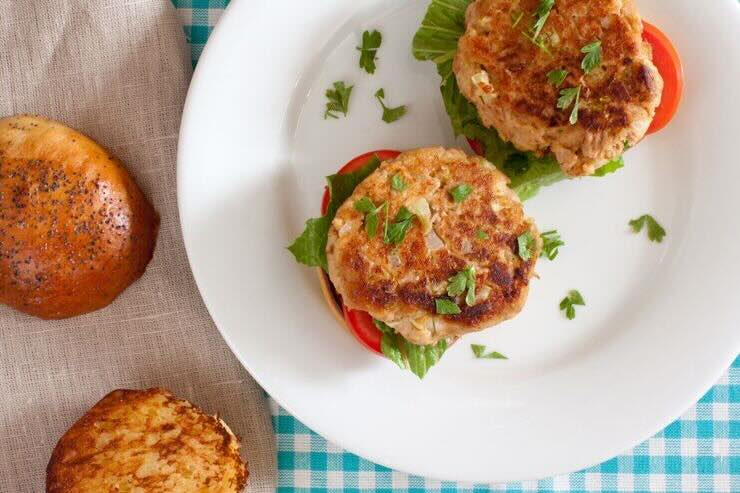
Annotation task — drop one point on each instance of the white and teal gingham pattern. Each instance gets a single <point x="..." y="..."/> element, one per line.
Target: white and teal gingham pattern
<point x="698" y="452"/>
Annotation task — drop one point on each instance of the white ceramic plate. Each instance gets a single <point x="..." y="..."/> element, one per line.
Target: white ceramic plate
<point x="662" y="320"/>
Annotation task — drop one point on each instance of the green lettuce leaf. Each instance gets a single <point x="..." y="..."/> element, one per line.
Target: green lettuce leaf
<point x="610" y="167"/>
<point x="440" y="30"/>
<point x="310" y="248"/>
<point x="416" y="358"/>
<point x="436" y="41"/>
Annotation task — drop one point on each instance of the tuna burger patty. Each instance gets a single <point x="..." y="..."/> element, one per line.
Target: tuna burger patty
<point x="444" y="221"/>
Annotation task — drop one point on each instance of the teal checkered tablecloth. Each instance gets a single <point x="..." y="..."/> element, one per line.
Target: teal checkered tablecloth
<point x="698" y="452"/>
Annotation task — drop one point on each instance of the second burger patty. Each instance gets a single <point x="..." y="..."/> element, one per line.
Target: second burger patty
<point x="400" y="283"/>
<point x="505" y="75"/>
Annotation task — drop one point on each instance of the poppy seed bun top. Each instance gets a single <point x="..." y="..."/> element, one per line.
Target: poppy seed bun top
<point x="400" y="284"/>
<point x="147" y="441"/>
<point x="505" y="75"/>
<point x="75" y="229"/>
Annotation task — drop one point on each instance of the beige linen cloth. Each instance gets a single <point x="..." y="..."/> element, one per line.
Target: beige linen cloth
<point x="117" y="70"/>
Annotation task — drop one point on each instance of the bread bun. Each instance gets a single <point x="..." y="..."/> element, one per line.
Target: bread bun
<point x="148" y="441"/>
<point x="75" y="229"/>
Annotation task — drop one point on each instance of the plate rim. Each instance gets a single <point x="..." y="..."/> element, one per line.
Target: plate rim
<point x="211" y="46"/>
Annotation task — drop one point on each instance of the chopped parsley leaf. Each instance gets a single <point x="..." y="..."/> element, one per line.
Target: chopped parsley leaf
<point x="538" y="42"/>
<point x="593" y="56"/>
<point x="655" y="231"/>
<point x="479" y="351"/>
<point x="398" y="184"/>
<point x="370" y="43"/>
<point x="338" y="100"/>
<point x="470" y="297"/>
<point x="456" y="284"/>
<point x="465" y="279"/>
<point x="557" y="77"/>
<point x="525" y="243"/>
<point x="569" y="303"/>
<point x="367" y="207"/>
<point x="570" y="96"/>
<point x="390" y="115"/>
<point x="541" y="15"/>
<point x="364" y="205"/>
<point x="446" y="307"/>
<point x="551" y="244"/>
<point x="396" y="231"/>
<point x="481" y="235"/>
<point x="461" y="192"/>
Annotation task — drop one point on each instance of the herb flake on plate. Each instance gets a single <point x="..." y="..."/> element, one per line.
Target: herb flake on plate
<point x="569" y="303"/>
<point x="655" y="231"/>
<point x="337" y="100"/>
<point x="551" y="243"/>
<point x="390" y="115"/>
<point x="371" y="42"/>
<point x="479" y="351"/>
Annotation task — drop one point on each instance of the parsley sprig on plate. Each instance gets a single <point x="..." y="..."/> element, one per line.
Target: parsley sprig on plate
<point x="551" y="243"/>
<point x="479" y="351"/>
<point x="655" y="231"/>
<point x="368" y="51"/>
<point x="570" y="302"/>
<point x="337" y="100"/>
<point x="390" y="115"/>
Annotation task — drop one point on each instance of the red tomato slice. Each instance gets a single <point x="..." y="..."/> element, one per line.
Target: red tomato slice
<point x="356" y="163"/>
<point x="363" y="327"/>
<point x="666" y="59"/>
<point x="477" y="146"/>
<point x="361" y="323"/>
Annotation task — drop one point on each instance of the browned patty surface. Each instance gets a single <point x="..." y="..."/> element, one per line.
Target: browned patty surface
<point x="504" y="74"/>
<point x="399" y="284"/>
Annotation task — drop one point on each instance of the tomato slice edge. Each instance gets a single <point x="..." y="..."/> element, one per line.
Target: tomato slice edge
<point x="361" y="323"/>
<point x="668" y="63"/>
<point x="363" y="327"/>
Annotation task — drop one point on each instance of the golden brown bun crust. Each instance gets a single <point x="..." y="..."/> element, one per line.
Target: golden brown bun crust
<point x="75" y="229"/>
<point x="148" y="441"/>
<point x="398" y="284"/>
